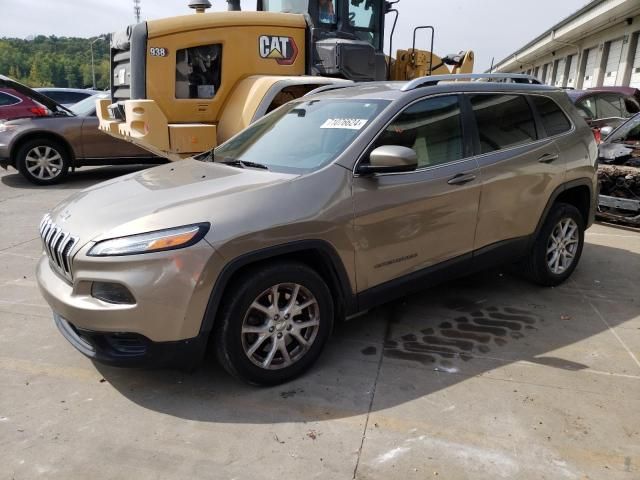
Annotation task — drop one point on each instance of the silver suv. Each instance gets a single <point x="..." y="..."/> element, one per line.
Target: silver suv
<point x="329" y="206"/>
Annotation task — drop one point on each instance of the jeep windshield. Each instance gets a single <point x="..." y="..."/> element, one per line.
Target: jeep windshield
<point x="300" y="136"/>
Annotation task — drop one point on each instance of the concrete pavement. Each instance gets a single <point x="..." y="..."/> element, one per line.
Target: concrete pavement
<point x="486" y="377"/>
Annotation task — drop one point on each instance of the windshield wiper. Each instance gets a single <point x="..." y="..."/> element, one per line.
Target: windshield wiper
<point x="205" y="156"/>
<point x="243" y="163"/>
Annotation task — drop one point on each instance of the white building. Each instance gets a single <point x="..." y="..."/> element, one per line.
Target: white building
<point x="596" y="46"/>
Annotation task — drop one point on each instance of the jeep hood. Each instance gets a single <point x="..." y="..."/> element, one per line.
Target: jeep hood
<point x="171" y="195"/>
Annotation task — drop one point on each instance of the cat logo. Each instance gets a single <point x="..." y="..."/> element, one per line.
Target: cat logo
<point x="281" y="49"/>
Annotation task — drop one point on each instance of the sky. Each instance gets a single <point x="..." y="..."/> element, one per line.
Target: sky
<point x="491" y="28"/>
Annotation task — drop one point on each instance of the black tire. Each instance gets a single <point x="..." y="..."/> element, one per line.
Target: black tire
<point x="230" y="341"/>
<point x="57" y="161"/>
<point x="537" y="264"/>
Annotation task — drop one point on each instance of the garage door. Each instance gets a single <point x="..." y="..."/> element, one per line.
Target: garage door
<point x="559" y="80"/>
<point x="571" y="68"/>
<point x="589" y="80"/>
<point x="546" y="73"/>
<point x="635" y="71"/>
<point x="613" y="63"/>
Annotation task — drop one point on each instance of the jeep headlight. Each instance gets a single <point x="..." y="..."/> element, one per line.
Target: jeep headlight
<point x="157" y="241"/>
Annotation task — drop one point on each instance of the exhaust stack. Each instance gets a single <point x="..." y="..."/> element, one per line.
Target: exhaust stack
<point x="233" y="5"/>
<point x="200" y="6"/>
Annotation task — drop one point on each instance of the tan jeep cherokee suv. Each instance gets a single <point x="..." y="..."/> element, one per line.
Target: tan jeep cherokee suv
<point x="328" y="206"/>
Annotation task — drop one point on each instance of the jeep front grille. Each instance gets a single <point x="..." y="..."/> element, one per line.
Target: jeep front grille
<point x="58" y="244"/>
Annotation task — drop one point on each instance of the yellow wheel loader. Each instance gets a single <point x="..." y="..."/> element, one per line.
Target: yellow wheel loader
<point x="182" y="85"/>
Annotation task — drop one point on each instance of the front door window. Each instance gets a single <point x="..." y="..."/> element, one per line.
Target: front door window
<point x="430" y="127"/>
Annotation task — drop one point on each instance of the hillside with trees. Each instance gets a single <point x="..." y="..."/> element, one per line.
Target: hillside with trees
<point x="55" y="61"/>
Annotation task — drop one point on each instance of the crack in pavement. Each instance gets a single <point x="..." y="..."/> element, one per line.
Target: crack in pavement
<point x="615" y="334"/>
<point x="392" y="313"/>
<point x="18" y="244"/>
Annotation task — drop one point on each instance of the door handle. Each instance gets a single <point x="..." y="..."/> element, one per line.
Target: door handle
<point x="548" y="158"/>
<point x="461" y="179"/>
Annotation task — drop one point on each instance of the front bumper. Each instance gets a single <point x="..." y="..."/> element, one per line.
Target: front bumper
<point x="5" y="157"/>
<point x="170" y="292"/>
<point x="131" y="349"/>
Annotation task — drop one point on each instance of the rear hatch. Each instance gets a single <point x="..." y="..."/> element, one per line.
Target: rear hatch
<point x="54" y="107"/>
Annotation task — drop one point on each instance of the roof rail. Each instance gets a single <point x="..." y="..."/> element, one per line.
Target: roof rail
<point x="498" y="77"/>
<point x="326" y="88"/>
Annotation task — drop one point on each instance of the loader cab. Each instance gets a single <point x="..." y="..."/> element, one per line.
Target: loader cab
<point x="346" y="36"/>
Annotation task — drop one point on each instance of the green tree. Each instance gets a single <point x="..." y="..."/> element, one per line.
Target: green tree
<point x="56" y="61"/>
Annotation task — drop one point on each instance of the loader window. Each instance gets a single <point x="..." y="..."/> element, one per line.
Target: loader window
<point x="364" y="18"/>
<point x="286" y="6"/>
<point x="198" y="71"/>
<point x="327" y="12"/>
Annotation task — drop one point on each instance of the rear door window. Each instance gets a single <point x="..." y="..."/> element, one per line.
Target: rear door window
<point x="503" y="121"/>
<point x="7" y="100"/>
<point x="553" y="118"/>
<point x="609" y="106"/>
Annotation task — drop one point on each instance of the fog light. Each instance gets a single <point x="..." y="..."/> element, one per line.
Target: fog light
<point x="112" y="293"/>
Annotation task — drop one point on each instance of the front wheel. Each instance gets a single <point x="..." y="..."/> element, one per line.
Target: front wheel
<point x="43" y="161"/>
<point x="274" y="324"/>
<point x="558" y="247"/>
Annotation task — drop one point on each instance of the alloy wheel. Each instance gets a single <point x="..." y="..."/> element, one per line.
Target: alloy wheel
<point x="280" y="326"/>
<point x="562" y="246"/>
<point x="44" y="162"/>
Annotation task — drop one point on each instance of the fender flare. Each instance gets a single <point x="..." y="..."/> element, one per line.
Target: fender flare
<point x="579" y="182"/>
<point x="326" y="251"/>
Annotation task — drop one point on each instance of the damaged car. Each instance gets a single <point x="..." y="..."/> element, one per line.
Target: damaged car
<point x="619" y="173"/>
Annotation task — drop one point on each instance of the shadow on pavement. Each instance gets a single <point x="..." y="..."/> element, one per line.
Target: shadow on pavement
<point x="412" y="348"/>
<point x="81" y="178"/>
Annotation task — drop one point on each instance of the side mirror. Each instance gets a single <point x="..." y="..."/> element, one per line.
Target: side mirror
<point x="390" y="159"/>
<point x="605" y="131"/>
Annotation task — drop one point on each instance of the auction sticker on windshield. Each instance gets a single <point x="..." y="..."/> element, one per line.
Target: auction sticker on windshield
<point x="348" y="123"/>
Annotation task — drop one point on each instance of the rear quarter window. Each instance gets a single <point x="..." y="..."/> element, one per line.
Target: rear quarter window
<point x="553" y="118"/>
<point x="7" y="100"/>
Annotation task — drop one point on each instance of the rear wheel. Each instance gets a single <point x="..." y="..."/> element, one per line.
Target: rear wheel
<point x="558" y="248"/>
<point x="43" y="161"/>
<point x="274" y="324"/>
